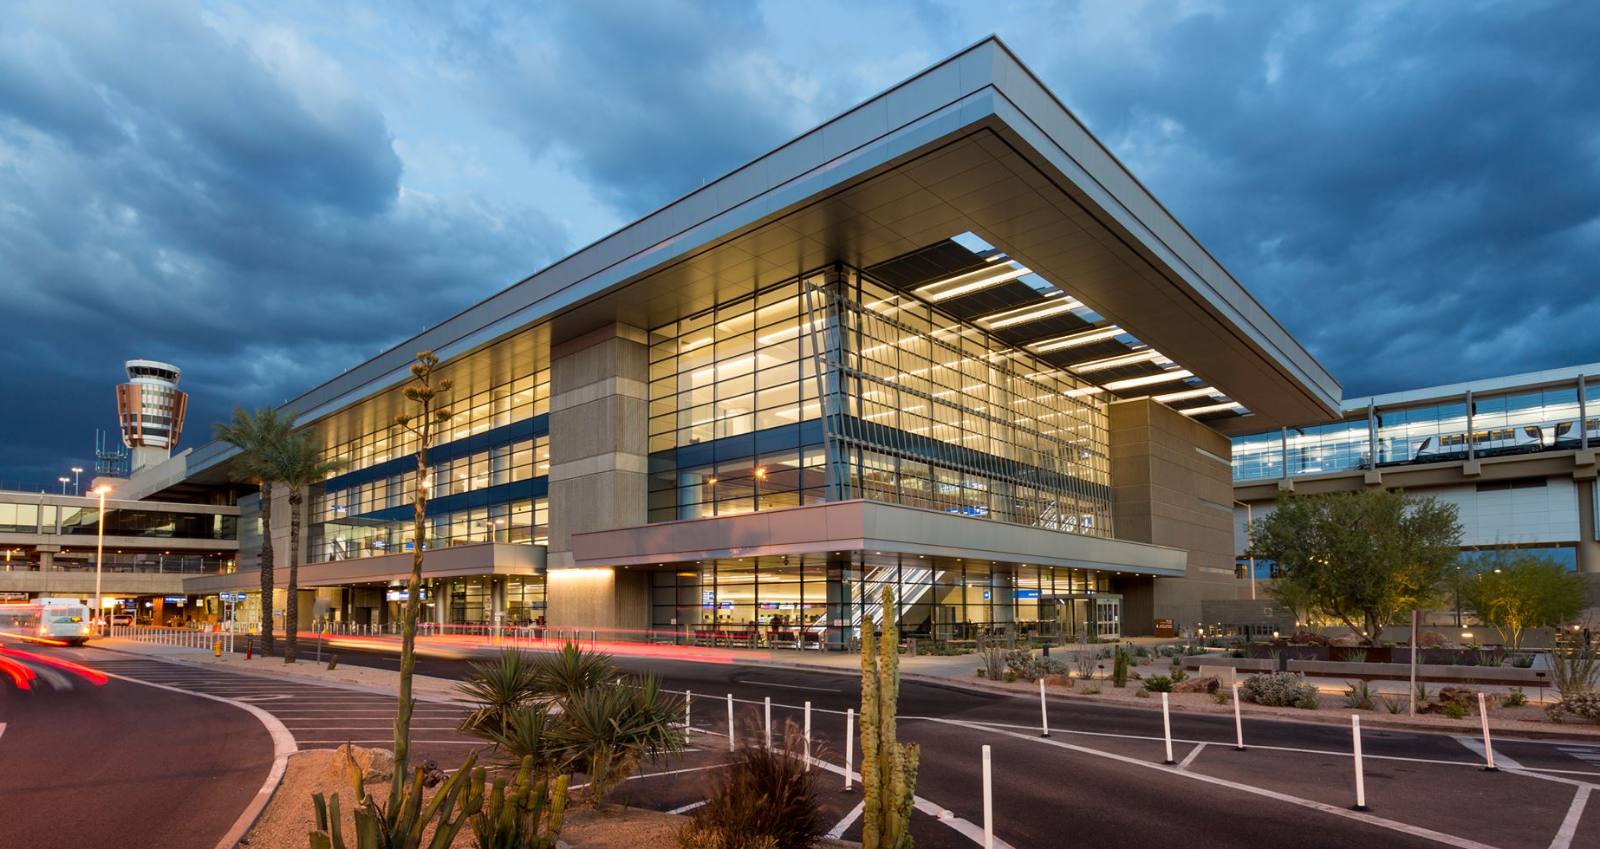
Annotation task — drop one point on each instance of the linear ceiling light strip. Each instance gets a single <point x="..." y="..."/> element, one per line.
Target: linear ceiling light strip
<point x="1213" y="408"/>
<point x="972" y="281"/>
<point x="1151" y="380"/>
<point x="1188" y="394"/>
<point x="1010" y="318"/>
<point x="1118" y="361"/>
<point x="1076" y="340"/>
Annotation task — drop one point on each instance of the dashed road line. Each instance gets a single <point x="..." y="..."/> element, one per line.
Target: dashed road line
<point x="1569" y="824"/>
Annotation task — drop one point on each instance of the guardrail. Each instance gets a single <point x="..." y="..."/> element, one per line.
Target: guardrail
<point x="204" y="638"/>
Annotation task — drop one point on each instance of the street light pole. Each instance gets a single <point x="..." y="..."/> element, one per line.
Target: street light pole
<point x="76" y="470"/>
<point x="64" y="482"/>
<point x="99" y="553"/>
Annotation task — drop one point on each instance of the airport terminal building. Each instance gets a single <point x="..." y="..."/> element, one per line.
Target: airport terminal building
<point x="943" y="343"/>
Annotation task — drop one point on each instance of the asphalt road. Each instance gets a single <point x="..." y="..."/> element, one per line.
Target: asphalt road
<point x="121" y="764"/>
<point x="1100" y="777"/>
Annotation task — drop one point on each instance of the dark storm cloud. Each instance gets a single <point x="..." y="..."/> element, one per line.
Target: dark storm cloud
<point x="166" y="192"/>
<point x="1412" y="189"/>
<point x="646" y="100"/>
<point x="1414" y="195"/>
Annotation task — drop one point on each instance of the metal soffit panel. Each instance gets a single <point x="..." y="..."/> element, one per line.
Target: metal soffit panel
<point x="973" y="144"/>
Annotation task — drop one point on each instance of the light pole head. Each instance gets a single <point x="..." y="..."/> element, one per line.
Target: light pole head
<point x="102" y="490"/>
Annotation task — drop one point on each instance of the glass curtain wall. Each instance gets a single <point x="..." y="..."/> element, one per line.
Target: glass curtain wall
<point x="922" y="410"/>
<point x="810" y="602"/>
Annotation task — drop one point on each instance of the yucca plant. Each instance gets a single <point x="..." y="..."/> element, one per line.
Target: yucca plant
<point x="607" y="731"/>
<point x="528" y="733"/>
<point x="571" y="671"/>
<point x="500" y="688"/>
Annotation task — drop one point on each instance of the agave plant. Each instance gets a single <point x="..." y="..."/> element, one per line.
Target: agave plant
<point x="501" y="689"/>
<point x="527" y="735"/>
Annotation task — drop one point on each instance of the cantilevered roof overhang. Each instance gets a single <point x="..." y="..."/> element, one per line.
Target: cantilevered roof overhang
<point x="458" y="561"/>
<point x="873" y="527"/>
<point x="973" y="144"/>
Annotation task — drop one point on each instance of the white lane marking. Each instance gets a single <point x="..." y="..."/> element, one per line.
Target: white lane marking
<point x="787" y="687"/>
<point x="266" y="698"/>
<point x="843" y="825"/>
<point x="1189" y="758"/>
<point x="1535" y="772"/>
<point x="938" y="812"/>
<point x="1475" y="746"/>
<point x="283" y="745"/>
<point x="687" y="808"/>
<point x="1403" y="828"/>
<point x="638" y="775"/>
<point x="1569" y="825"/>
<point x="2" y="729"/>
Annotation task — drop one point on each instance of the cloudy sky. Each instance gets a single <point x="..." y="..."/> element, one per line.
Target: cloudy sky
<point x="268" y="193"/>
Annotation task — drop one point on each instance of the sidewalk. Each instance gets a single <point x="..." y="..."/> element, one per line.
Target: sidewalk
<point x="425" y="687"/>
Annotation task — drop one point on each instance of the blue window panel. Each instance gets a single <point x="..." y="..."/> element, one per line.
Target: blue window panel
<point x="503" y="435"/>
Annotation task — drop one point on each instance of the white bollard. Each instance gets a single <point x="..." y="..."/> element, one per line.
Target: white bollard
<point x="988" y="801"/>
<point x="849" y="744"/>
<point x="767" y="724"/>
<point x="1238" y="722"/>
<point x="688" y="706"/>
<point x="730" y="722"/>
<point x="1044" y="712"/>
<point x="808" y="736"/>
<point x="1488" y="747"/>
<point x="1361" y="782"/>
<point x="1166" y="729"/>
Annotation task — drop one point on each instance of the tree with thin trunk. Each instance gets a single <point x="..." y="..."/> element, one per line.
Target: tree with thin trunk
<point x="1513" y="591"/>
<point x="430" y="416"/>
<point x="258" y="437"/>
<point x="1360" y="557"/>
<point x="299" y="465"/>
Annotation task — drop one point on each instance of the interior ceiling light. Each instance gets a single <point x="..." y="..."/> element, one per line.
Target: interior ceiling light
<point x="1151" y="380"/>
<point x="972" y="281"/>
<point x="1076" y="339"/>
<point x="1119" y="360"/>
<point x="1213" y="408"/>
<point x="1187" y="394"/>
<point x="1034" y="312"/>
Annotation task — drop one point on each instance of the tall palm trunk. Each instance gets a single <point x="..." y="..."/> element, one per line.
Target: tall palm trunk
<point x="266" y="569"/>
<point x="291" y="604"/>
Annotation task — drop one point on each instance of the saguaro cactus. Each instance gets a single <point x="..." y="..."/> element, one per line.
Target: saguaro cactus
<point x="1119" y="667"/>
<point x="888" y="769"/>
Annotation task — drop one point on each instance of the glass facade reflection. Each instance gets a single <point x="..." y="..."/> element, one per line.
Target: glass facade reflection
<point x="1491" y="424"/>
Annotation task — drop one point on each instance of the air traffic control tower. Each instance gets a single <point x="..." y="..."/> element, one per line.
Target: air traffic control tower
<point x="150" y="410"/>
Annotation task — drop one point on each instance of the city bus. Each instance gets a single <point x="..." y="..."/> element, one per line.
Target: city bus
<point x="54" y="621"/>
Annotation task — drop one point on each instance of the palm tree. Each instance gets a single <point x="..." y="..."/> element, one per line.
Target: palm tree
<point x="258" y="436"/>
<point x="299" y="464"/>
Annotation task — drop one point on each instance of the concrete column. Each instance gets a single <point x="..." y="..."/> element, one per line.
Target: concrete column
<point x="1588" y="547"/>
<point x="47" y="560"/>
<point x="599" y="395"/>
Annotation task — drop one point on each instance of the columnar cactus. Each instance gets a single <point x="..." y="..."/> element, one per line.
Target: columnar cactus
<point x="888" y="769"/>
<point x="1119" y="667"/>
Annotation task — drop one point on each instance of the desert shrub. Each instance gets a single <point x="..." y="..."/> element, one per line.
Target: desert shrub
<point x="994" y="663"/>
<point x="1178" y="674"/>
<point x="943" y="650"/>
<point x="1586" y="705"/>
<point x="1394" y="704"/>
<point x="1279" y="689"/>
<point x="1574" y="666"/>
<point x="1085" y="660"/>
<point x="1516" y="698"/>
<point x="1454" y="710"/>
<point x="1521" y="661"/>
<point x="1141" y="651"/>
<point x="1031" y="667"/>
<point x="1359" y="696"/>
<point x="1090" y="689"/>
<point x="1222" y="697"/>
<point x="1355" y="656"/>
<point x="1158" y="684"/>
<point x="764" y="800"/>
